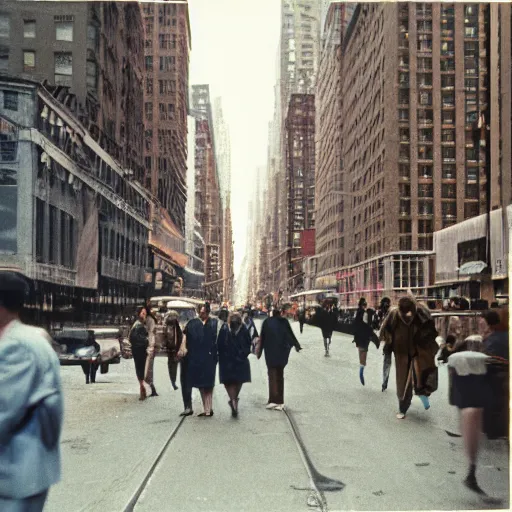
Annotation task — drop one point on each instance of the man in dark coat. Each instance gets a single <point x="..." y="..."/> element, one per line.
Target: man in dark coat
<point x="276" y="340"/>
<point x="200" y="346"/>
<point x="409" y="332"/>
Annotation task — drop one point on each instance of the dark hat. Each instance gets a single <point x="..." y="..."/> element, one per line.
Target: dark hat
<point x="13" y="291"/>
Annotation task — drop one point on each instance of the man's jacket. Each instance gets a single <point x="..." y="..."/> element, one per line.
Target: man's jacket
<point x="31" y="412"/>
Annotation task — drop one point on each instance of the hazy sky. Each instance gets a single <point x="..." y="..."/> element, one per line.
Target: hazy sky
<point x="234" y="48"/>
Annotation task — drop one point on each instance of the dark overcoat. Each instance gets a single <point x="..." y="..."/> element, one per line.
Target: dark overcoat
<point x="202" y="352"/>
<point x="277" y="339"/>
<point x="234" y="349"/>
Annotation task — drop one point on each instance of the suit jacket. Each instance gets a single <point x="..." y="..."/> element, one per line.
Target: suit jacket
<point x="31" y="412"/>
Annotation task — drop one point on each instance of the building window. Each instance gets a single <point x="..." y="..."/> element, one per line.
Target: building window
<point x="425" y="153"/>
<point x="405" y="226"/>
<point x="403" y="114"/>
<point x="425" y="171"/>
<point x="10" y="100"/>
<point x="63" y="29"/>
<point x="448" y="153"/>
<point x="448" y="117"/>
<point x="425" y="135"/>
<point x="149" y="63"/>
<point x="448" y="99"/>
<point x="29" y="29"/>
<point x="149" y="85"/>
<point x="148" y="111"/>
<point x="405" y="190"/>
<point x="447" y="48"/>
<point x="448" y="172"/>
<point x="472" y="191"/>
<point x="64" y="69"/>
<point x="448" y="191"/>
<point x="29" y="60"/>
<point x="405" y="245"/>
<point x="425" y="80"/>
<point x="404" y="171"/>
<point x="4" y="58"/>
<point x="425" y="207"/>
<point x="449" y="209"/>
<point x="425" y="227"/>
<point x="5" y="25"/>
<point x="447" y="135"/>
<point x="447" y="81"/>
<point x="426" y="190"/>
<point x="471" y="210"/>
<point x="425" y="64"/>
<point x="147" y="163"/>
<point x="405" y="207"/>
<point x="448" y="65"/>
<point x="92" y="74"/>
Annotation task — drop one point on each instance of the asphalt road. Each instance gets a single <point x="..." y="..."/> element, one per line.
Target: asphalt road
<point x="354" y="451"/>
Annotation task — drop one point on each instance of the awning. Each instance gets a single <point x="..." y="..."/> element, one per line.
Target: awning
<point x="309" y="292"/>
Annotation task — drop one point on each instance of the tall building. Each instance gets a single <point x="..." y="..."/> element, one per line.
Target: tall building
<point x="166" y="68"/>
<point x="328" y="178"/>
<point x="75" y="218"/>
<point x="208" y="192"/>
<point x="414" y="95"/>
<point x="167" y="49"/>
<point x="223" y="156"/>
<point x="300" y="181"/>
<point x="78" y="46"/>
<point x="297" y="66"/>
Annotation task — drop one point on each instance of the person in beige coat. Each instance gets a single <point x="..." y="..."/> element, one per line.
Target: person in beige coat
<point x="150" y="360"/>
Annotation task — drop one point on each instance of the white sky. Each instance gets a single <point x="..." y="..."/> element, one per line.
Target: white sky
<point x="234" y="48"/>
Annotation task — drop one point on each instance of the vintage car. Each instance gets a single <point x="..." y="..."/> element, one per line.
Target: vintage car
<point x="98" y="346"/>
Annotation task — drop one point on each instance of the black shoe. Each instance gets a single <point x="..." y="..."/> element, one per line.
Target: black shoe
<point x="471" y="483"/>
<point x="153" y="391"/>
<point x="187" y="412"/>
<point x="174" y="386"/>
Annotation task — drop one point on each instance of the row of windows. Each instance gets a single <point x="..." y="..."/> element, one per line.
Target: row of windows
<point x="63" y="27"/>
<point x="55" y="235"/>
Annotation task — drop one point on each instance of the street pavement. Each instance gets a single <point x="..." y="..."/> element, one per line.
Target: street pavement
<point x="349" y="435"/>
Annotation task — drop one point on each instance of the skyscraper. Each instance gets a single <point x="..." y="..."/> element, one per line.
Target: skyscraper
<point x="167" y="49"/>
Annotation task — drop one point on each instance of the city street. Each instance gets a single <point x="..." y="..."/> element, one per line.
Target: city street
<point x="355" y="454"/>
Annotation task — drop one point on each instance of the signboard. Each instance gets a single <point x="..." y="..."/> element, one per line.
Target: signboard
<point x="307" y="242"/>
<point x="472" y="251"/>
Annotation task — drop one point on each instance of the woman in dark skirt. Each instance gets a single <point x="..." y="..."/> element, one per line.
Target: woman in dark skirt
<point x="138" y="338"/>
<point x="234" y="346"/>
<point x="469" y="391"/>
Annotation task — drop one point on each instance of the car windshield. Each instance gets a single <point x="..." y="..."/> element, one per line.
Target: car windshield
<point x="186" y="315"/>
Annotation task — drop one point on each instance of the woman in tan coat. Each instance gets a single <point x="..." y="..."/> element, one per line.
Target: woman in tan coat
<point x="409" y="332"/>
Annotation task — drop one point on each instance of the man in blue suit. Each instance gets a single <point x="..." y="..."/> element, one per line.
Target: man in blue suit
<point x="31" y="406"/>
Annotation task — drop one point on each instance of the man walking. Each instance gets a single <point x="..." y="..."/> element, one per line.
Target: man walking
<point x="277" y="340"/>
<point x="31" y="406"/>
<point x="409" y="332"/>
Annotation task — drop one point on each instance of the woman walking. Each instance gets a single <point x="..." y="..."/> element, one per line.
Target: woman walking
<point x="138" y="338"/>
<point x="363" y="334"/>
<point x="173" y="336"/>
<point x="469" y="391"/>
<point x="251" y="327"/>
<point x="151" y="322"/>
<point x="200" y="346"/>
<point x="277" y="339"/>
<point x="234" y="346"/>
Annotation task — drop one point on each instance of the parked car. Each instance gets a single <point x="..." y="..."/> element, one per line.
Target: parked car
<point x="90" y="348"/>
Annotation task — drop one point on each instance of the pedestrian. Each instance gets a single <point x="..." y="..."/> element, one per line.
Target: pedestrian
<point x="276" y="340"/>
<point x="409" y="332"/>
<point x="151" y="322"/>
<point x="234" y="347"/>
<point x="469" y="391"/>
<point x="173" y="337"/>
<point x="90" y="367"/>
<point x="248" y="321"/>
<point x="363" y="334"/>
<point x="31" y="405"/>
<point x="495" y="343"/>
<point x="200" y="346"/>
<point x="383" y="310"/>
<point x="302" y="318"/>
<point x="138" y="339"/>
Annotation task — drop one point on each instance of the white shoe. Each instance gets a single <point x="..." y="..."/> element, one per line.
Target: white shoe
<point x="279" y="407"/>
<point x="271" y="406"/>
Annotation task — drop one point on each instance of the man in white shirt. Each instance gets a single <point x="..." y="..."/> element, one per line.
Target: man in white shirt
<point x="31" y="406"/>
